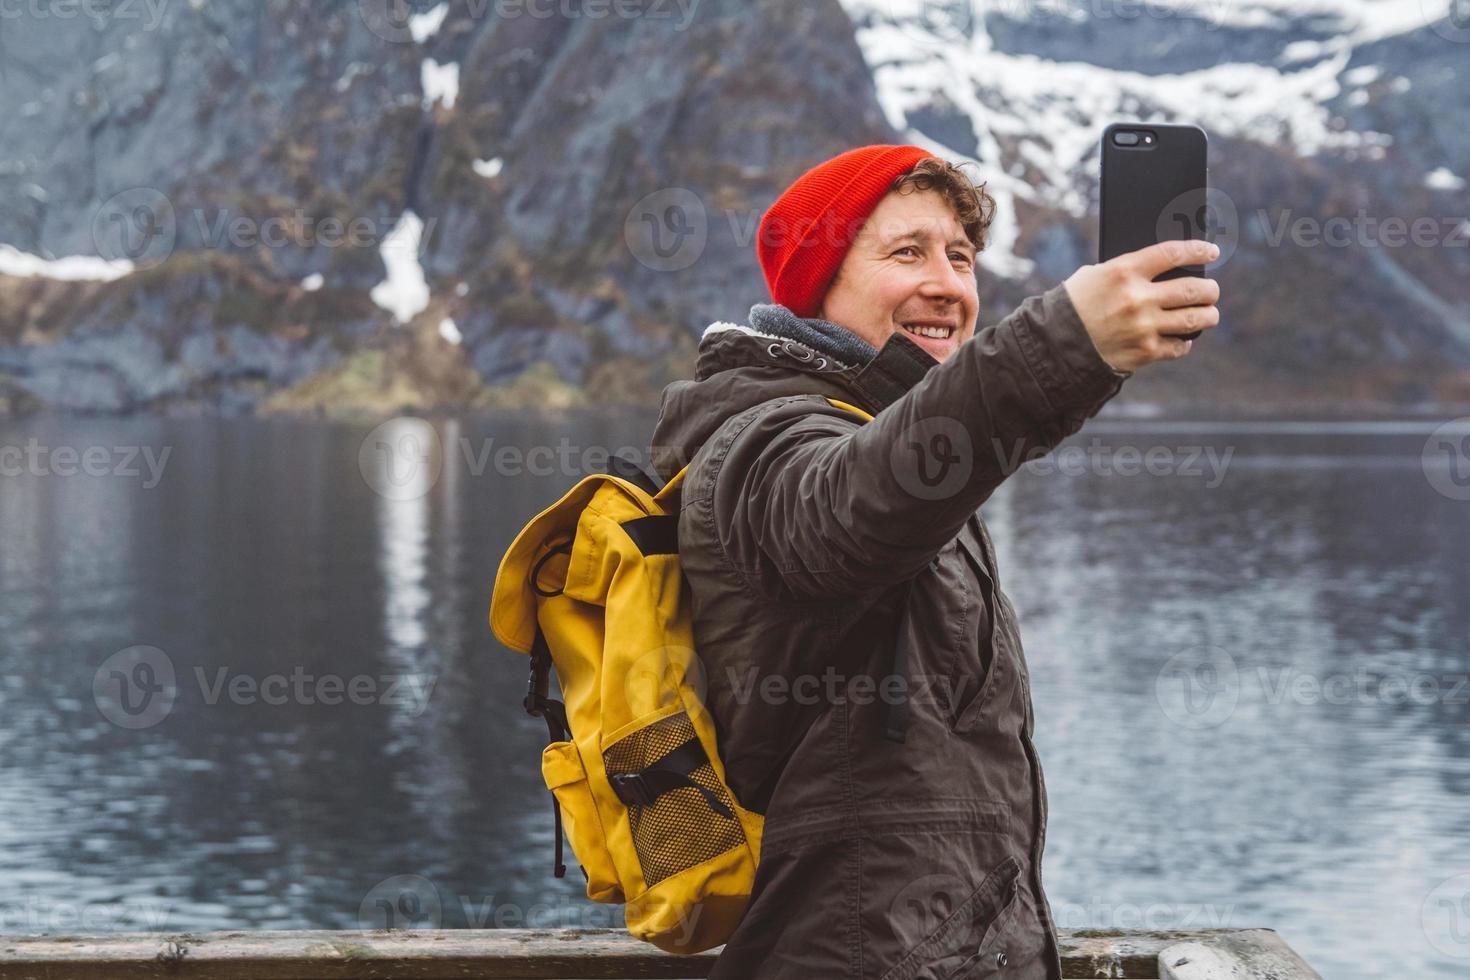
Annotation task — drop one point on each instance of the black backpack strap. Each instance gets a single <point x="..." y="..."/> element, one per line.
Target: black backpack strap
<point x="632" y="471"/>
<point x="896" y="712"/>
<point x="671" y="771"/>
<point x="539" y="705"/>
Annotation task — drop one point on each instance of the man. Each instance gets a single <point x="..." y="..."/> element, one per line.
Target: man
<point x="863" y="665"/>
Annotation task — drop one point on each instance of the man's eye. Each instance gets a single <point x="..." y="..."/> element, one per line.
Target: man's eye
<point x="906" y="248"/>
<point x="961" y="256"/>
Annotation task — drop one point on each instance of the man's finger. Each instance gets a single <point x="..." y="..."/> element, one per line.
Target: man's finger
<point x="1188" y="319"/>
<point x="1171" y="294"/>
<point x="1160" y="258"/>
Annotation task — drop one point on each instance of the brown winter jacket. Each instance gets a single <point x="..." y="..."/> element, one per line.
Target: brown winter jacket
<point x="800" y="526"/>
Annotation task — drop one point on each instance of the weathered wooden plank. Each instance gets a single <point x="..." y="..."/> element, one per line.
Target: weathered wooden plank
<point x="501" y="954"/>
<point x="586" y="954"/>
<point x="1250" y="954"/>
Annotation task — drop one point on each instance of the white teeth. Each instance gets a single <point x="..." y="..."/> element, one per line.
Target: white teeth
<point x="939" y="333"/>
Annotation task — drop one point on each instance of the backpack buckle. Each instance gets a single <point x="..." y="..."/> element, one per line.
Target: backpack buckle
<point x="538" y="685"/>
<point x="536" y="690"/>
<point x="631" y="788"/>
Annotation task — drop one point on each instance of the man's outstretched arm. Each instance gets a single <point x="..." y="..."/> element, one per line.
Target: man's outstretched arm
<point x="809" y="502"/>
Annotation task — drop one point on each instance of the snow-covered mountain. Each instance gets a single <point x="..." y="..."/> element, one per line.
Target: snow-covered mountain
<point x="169" y="183"/>
<point x="1316" y="109"/>
<point x="1028" y="88"/>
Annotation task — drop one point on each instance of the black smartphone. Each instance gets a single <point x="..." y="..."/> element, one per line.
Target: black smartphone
<point x="1155" y="185"/>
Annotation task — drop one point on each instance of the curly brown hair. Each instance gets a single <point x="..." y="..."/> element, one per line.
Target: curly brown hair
<point x="971" y="202"/>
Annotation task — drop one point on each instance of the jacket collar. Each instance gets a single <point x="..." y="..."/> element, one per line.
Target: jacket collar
<point x="895" y="369"/>
<point x="877" y="379"/>
<point x="739" y="367"/>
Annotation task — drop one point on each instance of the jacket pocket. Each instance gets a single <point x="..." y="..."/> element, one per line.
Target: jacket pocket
<point x="959" y="942"/>
<point x="565" y="776"/>
<point x="687" y="817"/>
<point x="992" y="958"/>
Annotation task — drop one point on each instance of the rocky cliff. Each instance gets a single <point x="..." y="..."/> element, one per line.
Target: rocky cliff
<point x="370" y="205"/>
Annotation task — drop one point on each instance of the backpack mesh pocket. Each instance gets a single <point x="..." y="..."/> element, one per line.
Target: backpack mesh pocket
<point x="679" y="827"/>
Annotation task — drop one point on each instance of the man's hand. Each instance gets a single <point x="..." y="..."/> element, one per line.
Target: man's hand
<point x="1131" y="318"/>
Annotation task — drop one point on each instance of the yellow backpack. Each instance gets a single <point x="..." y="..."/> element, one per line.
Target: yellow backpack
<point x="593" y="587"/>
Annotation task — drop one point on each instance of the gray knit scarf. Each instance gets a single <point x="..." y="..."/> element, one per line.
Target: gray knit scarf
<point x="823" y="336"/>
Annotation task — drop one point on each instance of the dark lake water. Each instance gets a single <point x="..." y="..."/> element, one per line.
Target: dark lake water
<point x="1249" y="676"/>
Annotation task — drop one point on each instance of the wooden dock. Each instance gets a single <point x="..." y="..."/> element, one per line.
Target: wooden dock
<point x="565" y="954"/>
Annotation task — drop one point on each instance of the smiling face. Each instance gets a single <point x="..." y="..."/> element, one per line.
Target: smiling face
<point x="910" y="268"/>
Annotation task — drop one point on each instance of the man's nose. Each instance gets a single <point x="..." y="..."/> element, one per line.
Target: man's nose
<point x="943" y="281"/>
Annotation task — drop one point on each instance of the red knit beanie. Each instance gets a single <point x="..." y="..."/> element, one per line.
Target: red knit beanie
<point x="805" y="235"/>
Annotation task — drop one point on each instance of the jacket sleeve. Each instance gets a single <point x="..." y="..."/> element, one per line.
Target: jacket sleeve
<point x="807" y="501"/>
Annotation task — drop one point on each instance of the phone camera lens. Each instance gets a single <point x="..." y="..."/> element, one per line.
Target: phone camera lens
<point x="1126" y="139"/>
